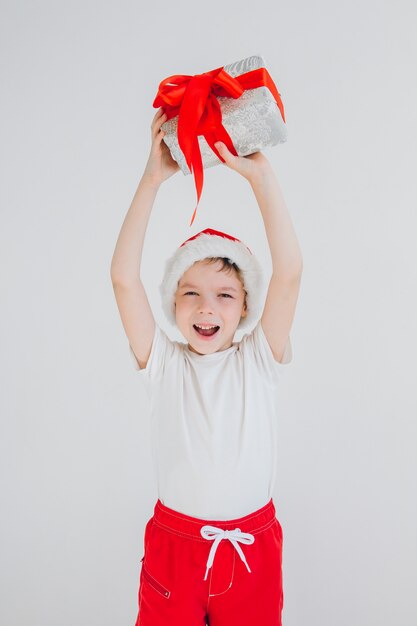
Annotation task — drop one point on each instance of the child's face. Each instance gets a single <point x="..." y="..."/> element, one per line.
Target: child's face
<point x="208" y="296"/>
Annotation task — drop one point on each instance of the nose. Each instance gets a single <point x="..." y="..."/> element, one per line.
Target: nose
<point x="205" y="304"/>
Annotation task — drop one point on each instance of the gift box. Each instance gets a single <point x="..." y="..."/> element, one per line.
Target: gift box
<point x="238" y="104"/>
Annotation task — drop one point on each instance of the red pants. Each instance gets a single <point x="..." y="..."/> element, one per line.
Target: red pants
<point x="222" y="573"/>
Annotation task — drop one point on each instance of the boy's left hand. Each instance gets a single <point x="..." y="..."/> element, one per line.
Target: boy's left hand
<point x="250" y="167"/>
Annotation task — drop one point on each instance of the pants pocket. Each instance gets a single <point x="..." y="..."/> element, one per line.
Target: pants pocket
<point x="154" y="583"/>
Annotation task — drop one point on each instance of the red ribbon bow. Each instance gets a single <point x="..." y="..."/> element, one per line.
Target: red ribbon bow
<point x="194" y="100"/>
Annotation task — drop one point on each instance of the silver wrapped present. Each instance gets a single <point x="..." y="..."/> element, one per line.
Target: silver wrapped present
<point x="254" y="120"/>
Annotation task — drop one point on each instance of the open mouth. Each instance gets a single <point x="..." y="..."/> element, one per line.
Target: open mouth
<point x="206" y="331"/>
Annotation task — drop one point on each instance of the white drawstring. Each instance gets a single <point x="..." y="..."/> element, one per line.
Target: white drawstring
<point x="212" y="532"/>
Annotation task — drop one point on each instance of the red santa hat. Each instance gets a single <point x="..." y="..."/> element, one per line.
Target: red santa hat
<point x="213" y="243"/>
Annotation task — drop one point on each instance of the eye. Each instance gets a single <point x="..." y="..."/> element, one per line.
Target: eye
<point x="194" y="292"/>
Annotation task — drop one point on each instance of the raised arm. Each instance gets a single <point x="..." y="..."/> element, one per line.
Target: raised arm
<point x="287" y="263"/>
<point x="135" y="311"/>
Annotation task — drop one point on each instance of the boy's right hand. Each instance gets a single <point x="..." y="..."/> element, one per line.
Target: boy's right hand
<point x="160" y="165"/>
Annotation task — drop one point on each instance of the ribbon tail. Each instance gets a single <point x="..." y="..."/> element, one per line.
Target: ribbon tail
<point x="197" y="170"/>
<point x="193" y="216"/>
<point x="220" y="134"/>
<point x="215" y="131"/>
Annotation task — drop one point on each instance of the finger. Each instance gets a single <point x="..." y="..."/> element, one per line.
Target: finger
<point x="155" y="117"/>
<point x="157" y="140"/>
<point x="156" y="127"/>
<point x="159" y="112"/>
<point x="222" y="148"/>
<point x="225" y="153"/>
<point x="158" y="115"/>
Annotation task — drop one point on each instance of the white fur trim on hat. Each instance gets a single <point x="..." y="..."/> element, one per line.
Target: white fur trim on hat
<point x="202" y="247"/>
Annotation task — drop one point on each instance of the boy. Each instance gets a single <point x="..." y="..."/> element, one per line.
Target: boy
<point x="212" y="404"/>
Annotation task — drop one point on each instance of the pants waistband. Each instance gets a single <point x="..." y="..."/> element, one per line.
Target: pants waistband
<point x="254" y="522"/>
<point x="238" y="530"/>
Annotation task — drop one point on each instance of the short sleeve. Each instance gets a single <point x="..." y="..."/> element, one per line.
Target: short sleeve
<point x="161" y="350"/>
<point x="256" y="347"/>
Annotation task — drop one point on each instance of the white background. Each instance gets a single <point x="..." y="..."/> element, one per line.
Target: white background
<point x="78" y="80"/>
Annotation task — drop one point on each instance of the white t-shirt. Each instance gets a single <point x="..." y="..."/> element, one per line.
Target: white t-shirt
<point x="214" y="424"/>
